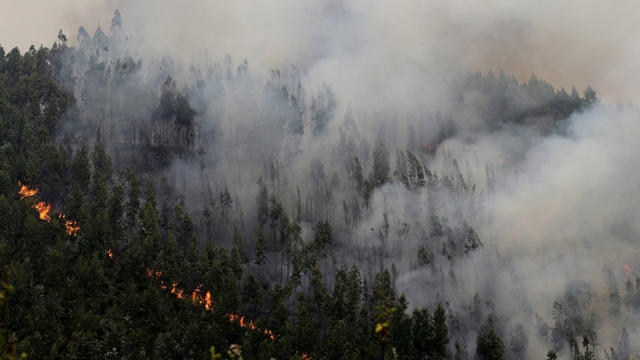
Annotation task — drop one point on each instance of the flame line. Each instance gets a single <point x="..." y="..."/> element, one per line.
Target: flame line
<point x="207" y="301"/>
<point x="71" y="227"/>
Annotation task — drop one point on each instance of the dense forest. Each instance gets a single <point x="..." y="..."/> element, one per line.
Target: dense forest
<point x="157" y="208"/>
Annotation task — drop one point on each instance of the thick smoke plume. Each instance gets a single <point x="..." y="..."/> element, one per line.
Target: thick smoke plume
<point x="522" y="206"/>
<point x="569" y="43"/>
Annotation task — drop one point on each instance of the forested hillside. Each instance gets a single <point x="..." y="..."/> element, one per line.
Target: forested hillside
<point x="163" y="208"/>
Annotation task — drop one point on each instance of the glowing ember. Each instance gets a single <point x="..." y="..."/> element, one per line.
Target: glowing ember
<point x="25" y="191"/>
<point x="155" y="275"/>
<point x="110" y="253"/>
<point x="43" y="210"/>
<point x="270" y="333"/>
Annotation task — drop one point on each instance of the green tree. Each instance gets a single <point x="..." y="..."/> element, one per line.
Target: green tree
<point x="488" y="343"/>
<point x="624" y="346"/>
<point x="421" y="331"/>
<point x="259" y="250"/>
<point x="401" y="169"/>
<point x="415" y="174"/>
<point x="440" y="333"/>
<point x="590" y="97"/>
<point x="8" y="343"/>
<point x="323" y="234"/>
<point x="101" y="178"/>
<point x="322" y="110"/>
<point x="251" y="295"/>
<point x="473" y="242"/>
<point x="519" y="341"/>
<point x="116" y="22"/>
<point x="132" y="206"/>
<point x="81" y="170"/>
<point x="116" y="213"/>
<point x="357" y="174"/>
<point x="380" y="172"/>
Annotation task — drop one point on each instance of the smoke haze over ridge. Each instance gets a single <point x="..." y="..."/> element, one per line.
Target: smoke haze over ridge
<point x="569" y="43"/>
<point x="565" y="204"/>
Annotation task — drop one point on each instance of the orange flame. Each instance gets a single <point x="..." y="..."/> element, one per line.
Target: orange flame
<point x="207" y="301"/>
<point x="110" y="253"/>
<point x="72" y="228"/>
<point x="233" y="317"/>
<point x="175" y="291"/>
<point x="249" y="325"/>
<point x="156" y="276"/>
<point x="43" y="210"/>
<point x="270" y="333"/>
<point x="26" y="191"/>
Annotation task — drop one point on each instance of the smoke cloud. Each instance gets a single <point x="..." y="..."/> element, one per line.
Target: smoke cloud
<point x="552" y="206"/>
<point x="568" y="43"/>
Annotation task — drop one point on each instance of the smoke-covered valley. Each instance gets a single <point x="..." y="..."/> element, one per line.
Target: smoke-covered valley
<point x="395" y="128"/>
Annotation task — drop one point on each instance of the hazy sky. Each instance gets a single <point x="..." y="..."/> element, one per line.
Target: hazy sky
<point x="585" y="42"/>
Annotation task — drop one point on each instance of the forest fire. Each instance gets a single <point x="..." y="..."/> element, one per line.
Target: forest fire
<point x="207" y="301"/>
<point x="176" y="291"/>
<point x="110" y="253"/>
<point x="249" y="325"/>
<point x="41" y="207"/>
<point x="196" y="295"/>
<point x="243" y="323"/>
<point x="25" y="191"/>
<point x="43" y="210"/>
<point x="71" y="227"/>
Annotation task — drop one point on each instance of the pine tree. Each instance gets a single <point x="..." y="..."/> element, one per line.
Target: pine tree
<point x="380" y="172"/>
<point x="473" y="242"/>
<point x="81" y="170"/>
<point x="624" y="346"/>
<point x="519" y="341"/>
<point x="489" y="346"/>
<point x="259" y="250"/>
<point x="440" y="334"/>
